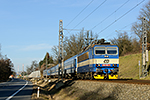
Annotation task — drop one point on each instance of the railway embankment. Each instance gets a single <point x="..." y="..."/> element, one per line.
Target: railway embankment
<point x="91" y="90"/>
<point x="98" y="90"/>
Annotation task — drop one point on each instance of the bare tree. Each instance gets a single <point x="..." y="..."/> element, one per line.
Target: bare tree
<point x="28" y="69"/>
<point x="34" y="66"/>
<point x="137" y="26"/>
<point x="124" y="42"/>
<point x="73" y="45"/>
<point x="55" y="54"/>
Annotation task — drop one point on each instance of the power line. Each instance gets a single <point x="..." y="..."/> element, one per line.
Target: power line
<point x="90" y="13"/>
<point x="127" y="25"/>
<point x="121" y="16"/>
<point x="120" y="28"/>
<point x="78" y="14"/>
<point x="111" y="14"/>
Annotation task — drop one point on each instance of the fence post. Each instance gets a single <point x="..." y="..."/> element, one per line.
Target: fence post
<point x="38" y="92"/>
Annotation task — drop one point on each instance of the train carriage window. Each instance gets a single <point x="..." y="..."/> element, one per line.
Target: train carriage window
<point x="100" y="50"/>
<point x="111" y="50"/>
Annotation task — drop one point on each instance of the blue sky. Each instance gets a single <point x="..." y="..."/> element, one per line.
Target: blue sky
<point x="29" y="28"/>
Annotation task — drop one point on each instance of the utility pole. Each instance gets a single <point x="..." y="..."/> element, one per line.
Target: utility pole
<point x="23" y="70"/>
<point x="144" y="49"/>
<point x="60" y="58"/>
<point x="18" y="70"/>
<point x="91" y="37"/>
<point x="87" y="39"/>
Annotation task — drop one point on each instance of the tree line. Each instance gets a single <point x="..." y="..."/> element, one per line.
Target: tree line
<point x="6" y="68"/>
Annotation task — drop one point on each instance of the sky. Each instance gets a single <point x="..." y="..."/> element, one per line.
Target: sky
<point x="30" y="28"/>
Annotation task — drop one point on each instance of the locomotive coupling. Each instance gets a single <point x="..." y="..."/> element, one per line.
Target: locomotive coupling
<point x="106" y="70"/>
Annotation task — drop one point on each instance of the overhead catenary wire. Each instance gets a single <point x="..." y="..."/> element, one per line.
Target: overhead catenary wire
<point x="90" y="14"/>
<point x="127" y="25"/>
<point x="78" y="14"/>
<point x="111" y="14"/>
<point x="121" y="16"/>
<point x="120" y="28"/>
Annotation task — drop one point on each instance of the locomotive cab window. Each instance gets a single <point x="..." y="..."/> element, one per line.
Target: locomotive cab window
<point x="112" y="51"/>
<point x="100" y="50"/>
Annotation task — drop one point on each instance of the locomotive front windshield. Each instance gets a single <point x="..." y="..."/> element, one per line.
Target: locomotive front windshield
<point x="106" y="50"/>
<point x="100" y="50"/>
<point x="111" y="50"/>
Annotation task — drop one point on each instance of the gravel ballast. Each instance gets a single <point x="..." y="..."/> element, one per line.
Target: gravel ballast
<point x="92" y="90"/>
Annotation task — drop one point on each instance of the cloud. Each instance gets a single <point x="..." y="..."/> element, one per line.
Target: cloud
<point x="36" y="47"/>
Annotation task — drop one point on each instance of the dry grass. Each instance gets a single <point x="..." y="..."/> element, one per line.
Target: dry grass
<point x="129" y="66"/>
<point x="47" y="90"/>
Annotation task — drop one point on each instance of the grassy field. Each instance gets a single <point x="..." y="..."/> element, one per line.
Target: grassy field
<point x="129" y="66"/>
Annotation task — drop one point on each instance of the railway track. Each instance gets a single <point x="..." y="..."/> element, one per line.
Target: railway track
<point x="128" y="81"/>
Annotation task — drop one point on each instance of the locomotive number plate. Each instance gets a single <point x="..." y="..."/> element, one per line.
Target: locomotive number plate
<point x="105" y="64"/>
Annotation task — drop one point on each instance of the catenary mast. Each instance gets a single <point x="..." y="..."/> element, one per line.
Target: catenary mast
<point x="60" y="58"/>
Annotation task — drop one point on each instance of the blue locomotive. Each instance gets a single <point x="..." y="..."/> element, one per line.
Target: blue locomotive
<point x="98" y="61"/>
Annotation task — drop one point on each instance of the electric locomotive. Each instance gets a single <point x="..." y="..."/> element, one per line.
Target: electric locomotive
<point x="99" y="61"/>
<point x="106" y="61"/>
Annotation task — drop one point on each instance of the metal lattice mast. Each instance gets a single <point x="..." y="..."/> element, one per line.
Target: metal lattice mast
<point x="60" y="58"/>
<point x="144" y="48"/>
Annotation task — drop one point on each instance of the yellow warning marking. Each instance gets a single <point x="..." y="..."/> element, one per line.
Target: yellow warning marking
<point x="99" y="77"/>
<point x="113" y="76"/>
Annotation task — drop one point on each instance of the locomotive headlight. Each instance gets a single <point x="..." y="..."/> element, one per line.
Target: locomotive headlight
<point x="114" y="65"/>
<point x="96" y="65"/>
